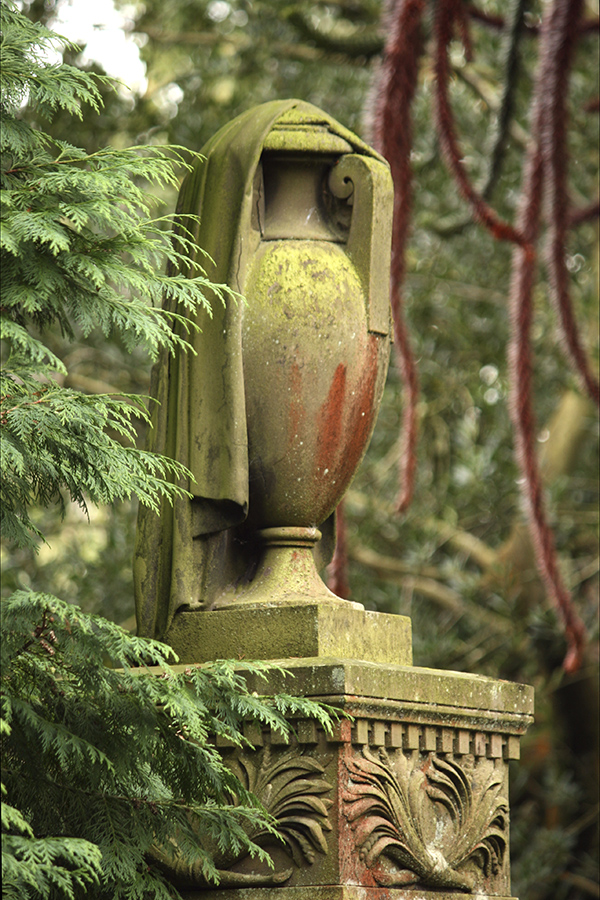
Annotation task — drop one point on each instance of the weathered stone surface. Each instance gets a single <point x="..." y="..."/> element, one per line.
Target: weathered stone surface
<point x="432" y="693"/>
<point x="333" y="892"/>
<point x="344" y="631"/>
<point x="408" y="799"/>
<point x="274" y="409"/>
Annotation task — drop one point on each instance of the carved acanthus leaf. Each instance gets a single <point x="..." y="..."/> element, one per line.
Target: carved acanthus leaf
<point x="293" y="790"/>
<point x="390" y="809"/>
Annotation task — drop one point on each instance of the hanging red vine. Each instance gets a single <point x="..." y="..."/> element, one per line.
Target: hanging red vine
<point x="544" y="180"/>
<point x="450" y="14"/>
<point x="556" y="51"/>
<point x="392" y="136"/>
<point x="337" y="570"/>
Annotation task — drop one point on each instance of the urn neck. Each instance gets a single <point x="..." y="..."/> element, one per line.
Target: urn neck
<point x="298" y="204"/>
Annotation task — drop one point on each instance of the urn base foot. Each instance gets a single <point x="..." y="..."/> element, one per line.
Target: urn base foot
<point x="286" y="573"/>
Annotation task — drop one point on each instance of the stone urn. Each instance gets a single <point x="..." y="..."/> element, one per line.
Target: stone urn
<point x="315" y="344"/>
<point x="273" y="405"/>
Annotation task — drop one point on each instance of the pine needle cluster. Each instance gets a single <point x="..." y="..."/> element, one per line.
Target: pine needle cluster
<point x="99" y="763"/>
<point x="123" y="761"/>
<point x="79" y="251"/>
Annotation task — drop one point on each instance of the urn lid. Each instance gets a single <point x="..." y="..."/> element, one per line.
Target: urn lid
<point x="305" y="129"/>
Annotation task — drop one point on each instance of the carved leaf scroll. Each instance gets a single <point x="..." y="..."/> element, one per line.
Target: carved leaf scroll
<point x="293" y="790"/>
<point x="391" y="809"/>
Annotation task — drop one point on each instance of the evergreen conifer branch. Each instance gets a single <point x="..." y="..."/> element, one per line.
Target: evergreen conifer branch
<point x="123" y="761"/>
<point x="80" y="251"/>
<point x="102" y="770"/>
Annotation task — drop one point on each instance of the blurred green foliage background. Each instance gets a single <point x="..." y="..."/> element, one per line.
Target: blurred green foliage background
<point x="459" y="562"/>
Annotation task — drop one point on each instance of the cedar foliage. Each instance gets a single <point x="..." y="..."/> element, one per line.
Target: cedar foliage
<point x="122" y="761"/>
<point x="98" y="765"/>
<point x="79" y="252"/>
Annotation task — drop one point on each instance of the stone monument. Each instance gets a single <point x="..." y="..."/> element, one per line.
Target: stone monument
<point x="272" y="414"/>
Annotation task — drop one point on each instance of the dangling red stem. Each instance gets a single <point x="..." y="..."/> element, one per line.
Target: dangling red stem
<point x="392" y="136"/>
<point x="337" y="570"/>
<point x="451" y="13"/>
<point x="519" y="350"/>
<point x="560" y="48"/>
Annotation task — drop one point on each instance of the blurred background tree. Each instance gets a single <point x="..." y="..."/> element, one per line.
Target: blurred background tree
<point x="459" y="561"/>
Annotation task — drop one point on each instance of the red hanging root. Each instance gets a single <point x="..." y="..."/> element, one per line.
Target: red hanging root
<point x="546" y="163"/>
<point x="559" y="49"/>
<point x="449" y="14"/>
<point x="497" y="23"/>
<point x="519" y="354"/>
<point x="585" y="214"/>
<point x="392" y="136"/>
<point x="555" y="37"/>
<point x="393" y="94"/>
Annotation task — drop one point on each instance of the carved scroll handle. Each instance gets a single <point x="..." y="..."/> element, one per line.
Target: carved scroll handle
<point x="368" y="183"/>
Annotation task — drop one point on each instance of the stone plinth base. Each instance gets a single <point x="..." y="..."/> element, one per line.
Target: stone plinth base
<point x="332" y="892"/>
<point x="320" y="629"/>
<point x="406" y="800"/>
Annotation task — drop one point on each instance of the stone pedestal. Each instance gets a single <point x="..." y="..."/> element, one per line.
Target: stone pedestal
<point x="408" y="800"/>
<point x="335" y="892"/>
<point x="272" y="414"/>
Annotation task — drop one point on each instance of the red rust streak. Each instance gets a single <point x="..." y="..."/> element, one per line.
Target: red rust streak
<point x="353" y="869"/>
<point x="361" y="418"/>
<point x="330" y="420"/>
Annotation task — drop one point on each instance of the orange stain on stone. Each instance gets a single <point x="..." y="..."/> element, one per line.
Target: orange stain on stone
<point x="331" y="420"/>
<point x="345" y="422"/>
